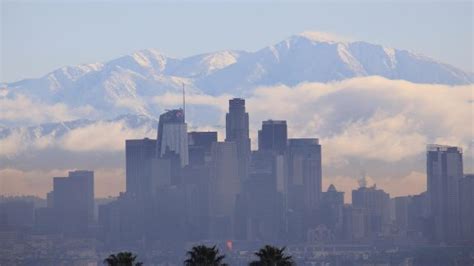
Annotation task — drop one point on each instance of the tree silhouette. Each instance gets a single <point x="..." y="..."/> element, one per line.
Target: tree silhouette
<point x="122" y="259"/>
<point x="272" y="256"/>
<point x="204" y="256"/>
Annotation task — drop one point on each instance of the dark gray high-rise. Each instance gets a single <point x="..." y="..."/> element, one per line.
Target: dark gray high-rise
<point x="237" y="130"/>
<point x="73" y="201"/>
<point x="304" y="173"/>
<point x="444" y="169"/>
<point x="273" y="136"/>
<point x="466" y="197"/>
<point x="200" y="146"/>
<point x="138" y="166"/>
<point x="332" y="206"/>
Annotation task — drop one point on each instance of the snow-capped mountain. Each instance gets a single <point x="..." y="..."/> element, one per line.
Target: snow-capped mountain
<point x="129" y="83"/>
<point x="310" y="58"/>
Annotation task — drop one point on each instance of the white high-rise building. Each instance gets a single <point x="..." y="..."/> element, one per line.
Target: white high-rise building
<point x="175" y="139"/>
<point x="173" y="135"/>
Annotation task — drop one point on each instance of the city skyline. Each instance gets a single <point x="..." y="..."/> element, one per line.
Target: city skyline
<point x="265" y="138"/>
<point x="186" y="187"/>
<point x="347" y="187"/>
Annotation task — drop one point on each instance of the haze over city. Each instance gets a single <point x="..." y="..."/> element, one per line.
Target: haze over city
<point x="296" y="124"/>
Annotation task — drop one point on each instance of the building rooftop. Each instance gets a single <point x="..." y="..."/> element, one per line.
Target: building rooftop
<point x="274" y="122"/>
<point x="437" y="147"/>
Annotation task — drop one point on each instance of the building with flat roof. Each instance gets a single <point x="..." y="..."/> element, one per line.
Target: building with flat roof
<point x="444" y="169"/>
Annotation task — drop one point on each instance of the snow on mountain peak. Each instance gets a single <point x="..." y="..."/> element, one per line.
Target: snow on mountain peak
<point x="131" y="82"/>
<point x="75" y="72"/>
<point x="142" y="61"/>
<point x="220" y="59"/>
<point x="391" y="54"/>
<point x="317" y="36"/>
<point x="150" y="58"/>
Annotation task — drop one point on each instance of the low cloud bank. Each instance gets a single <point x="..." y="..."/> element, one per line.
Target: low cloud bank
<point x="22" y="109"/>
<point x="364" y="124"/>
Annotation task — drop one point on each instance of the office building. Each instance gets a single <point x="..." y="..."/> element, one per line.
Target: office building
<point x="304" y="174"/>
<point x="354" y="223"/>
<point x="225" y="185"/>
<point x="273" y="136"/>
<point x="202" y="139"/>
<point x="139" y="154"/>
<point x="331" y="210"/>
<point x="444" y="169"/>
<point x="466" y="196"/>
<point x="376" y="206"/>
<point x="200" y="146"/>
<point x="73" y="201"/>
<point x="172" y="135"/>
<point x="237" y="131"/>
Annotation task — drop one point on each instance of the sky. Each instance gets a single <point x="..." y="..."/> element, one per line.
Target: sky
<point x="40" y="36"/>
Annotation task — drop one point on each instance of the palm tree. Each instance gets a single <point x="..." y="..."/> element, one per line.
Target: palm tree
<point x="204" y="256"/>
<point x="272" y="256"/>
<point x="122" y="259"/>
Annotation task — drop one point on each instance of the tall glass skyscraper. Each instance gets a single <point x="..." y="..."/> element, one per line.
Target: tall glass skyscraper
<point x="237" y="130"/>
<point x="444" y="169"/>
<point x="173" y="135"/>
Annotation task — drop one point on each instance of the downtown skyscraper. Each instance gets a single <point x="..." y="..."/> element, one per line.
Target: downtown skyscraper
<point x="138" y="166"/>
<point x="237" y="130"/>
<point x="173" y="135"/>
<point x="273" y="136"/>
<point x="444" y="167"/>
<point x="305" y="173"/>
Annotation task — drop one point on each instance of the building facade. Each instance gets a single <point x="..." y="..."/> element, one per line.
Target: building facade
<point x="444" y="169"/>
<point x="237" y="131"/>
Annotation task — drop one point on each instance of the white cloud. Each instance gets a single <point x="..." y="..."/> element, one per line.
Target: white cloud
<point x="11" y="145"/>
<point x="23" y="109"/>
<point x="370" y="117"/>
<point x="381" y="137"/>
<point x="18" y="141"/>
<point x="173" y="99"/>
<point x="373" y="124"/>
<point x="324" y="36"/>
<point x="102" y="136"/>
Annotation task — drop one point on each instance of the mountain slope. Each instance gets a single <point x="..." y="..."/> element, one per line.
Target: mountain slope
<point x="130" y="83"/>
<point x="302" y="58"/>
